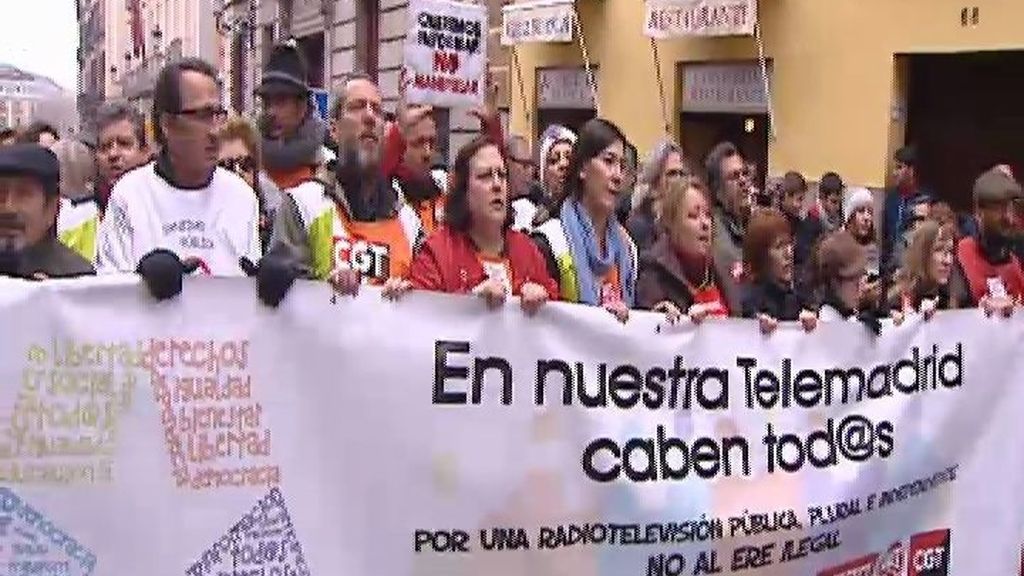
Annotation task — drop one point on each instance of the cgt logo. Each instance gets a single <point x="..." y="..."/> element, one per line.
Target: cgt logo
<point x="863" y="566"/>
<point x="369" y="259"/>
<point x="893" y="562"/>
<point x="929" y="554"/>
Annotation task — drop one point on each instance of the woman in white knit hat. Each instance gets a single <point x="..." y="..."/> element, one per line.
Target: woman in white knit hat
<point x="859" y="221"/>
<point x="555" y="149"/>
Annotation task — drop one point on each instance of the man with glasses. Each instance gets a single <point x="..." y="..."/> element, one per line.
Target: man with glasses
<point x="526" y="193"/>
<point x="348" y="228"/>
<point x="731" y="188"/>
<point x="181" y="212"/>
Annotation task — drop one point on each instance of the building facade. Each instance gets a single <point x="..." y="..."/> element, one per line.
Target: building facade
<point x="143" y="36"/>
<point x="849" y="82"/>
<point x="92" y="60"/>
<point x="27" y="97"/>
<point x="340" y="37"/>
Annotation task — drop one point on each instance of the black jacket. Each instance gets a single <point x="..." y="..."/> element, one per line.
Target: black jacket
<point x="641" y="226"/>
<point x="771" y="299"/>
<point x="661" y="278"/>
<point x="48" y="258"/>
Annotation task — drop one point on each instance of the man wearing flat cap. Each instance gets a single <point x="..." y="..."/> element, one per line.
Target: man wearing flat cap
<point x="992" y="271"/>
<point x="293" y="135"/>
<point x="29" y="200"/>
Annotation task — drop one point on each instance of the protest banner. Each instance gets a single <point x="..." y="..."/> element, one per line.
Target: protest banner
<point x="446" y="53"/>
<point x="209" y="435"/>
<point x="678" y="18"/>
<point x="537" y="21"/>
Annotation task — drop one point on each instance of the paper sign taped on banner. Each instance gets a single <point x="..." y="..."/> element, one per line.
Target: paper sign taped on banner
<point x="429" y="436"/>
<point x="446" y="53"/>
<point x="542" y="21"/>
<point x="680" y="18"/>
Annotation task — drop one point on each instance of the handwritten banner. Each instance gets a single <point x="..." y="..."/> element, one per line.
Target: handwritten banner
<point x="540" y="21"/>
<point x="210" y="435"/>
<point x="679" y="18"/>
<point x="446" y="53"/>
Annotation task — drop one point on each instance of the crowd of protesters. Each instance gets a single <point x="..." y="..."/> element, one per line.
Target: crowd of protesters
<point x="359" y="200"/>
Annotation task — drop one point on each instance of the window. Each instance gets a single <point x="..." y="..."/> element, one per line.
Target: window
<point x="368" y="36"/>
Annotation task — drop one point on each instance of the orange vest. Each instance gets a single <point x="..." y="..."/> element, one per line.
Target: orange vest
<point x="285" y="179"/>
<point x="378" y="250"/>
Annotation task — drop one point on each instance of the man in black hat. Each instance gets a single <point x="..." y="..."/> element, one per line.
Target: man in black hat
<point x="29" y="200"/>
<point x="293" y="135"/>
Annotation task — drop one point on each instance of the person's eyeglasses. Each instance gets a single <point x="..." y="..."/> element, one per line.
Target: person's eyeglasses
<point x="242" y="165"/>
<point x="206" y="113"/>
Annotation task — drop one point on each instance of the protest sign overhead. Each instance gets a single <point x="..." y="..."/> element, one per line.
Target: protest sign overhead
<point x="446" y="53"/>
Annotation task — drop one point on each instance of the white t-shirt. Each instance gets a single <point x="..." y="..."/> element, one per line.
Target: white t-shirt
<point x="217" y="224"/>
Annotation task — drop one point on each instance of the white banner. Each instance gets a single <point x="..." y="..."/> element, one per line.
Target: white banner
<point x="539" y="21"/>
<point x="211" y="436"/>
<point x="446" y="53"/>
<point x="678" y="18"/>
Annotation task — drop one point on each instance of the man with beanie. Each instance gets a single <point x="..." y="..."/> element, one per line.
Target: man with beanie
<point x="896" y="213"/>
<point x="29" y="200"/>
<point x="293" y="135"/>
<point x="992" y="271"/>
<point x="348" y="227"/>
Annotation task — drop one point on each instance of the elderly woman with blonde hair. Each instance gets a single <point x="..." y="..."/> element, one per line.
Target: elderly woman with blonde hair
<point x="663" y="167"/>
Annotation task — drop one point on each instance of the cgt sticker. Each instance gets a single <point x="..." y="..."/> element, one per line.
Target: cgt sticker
<point x="929" y="554"/>
<point x="31" y="545"/>
<point x="369" y="259"/>
<point x="925" y="554"/>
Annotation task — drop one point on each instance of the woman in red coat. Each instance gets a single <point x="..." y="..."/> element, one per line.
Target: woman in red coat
<point x="476" y="251"/>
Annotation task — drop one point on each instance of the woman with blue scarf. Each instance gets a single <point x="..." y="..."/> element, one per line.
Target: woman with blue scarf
<point x="588" y="252"/>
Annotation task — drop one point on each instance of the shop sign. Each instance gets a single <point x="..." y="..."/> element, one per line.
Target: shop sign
<point x="564" y="88"/>
<point x="680" y="18"/>
<point x="729" y="88"/>
<point x="542" y="21"/>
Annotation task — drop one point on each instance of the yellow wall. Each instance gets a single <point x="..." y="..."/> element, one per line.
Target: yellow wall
<point x="833" y="80"/>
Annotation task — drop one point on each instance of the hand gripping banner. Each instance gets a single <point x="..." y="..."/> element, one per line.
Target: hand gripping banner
<point x="210" y="435"/>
